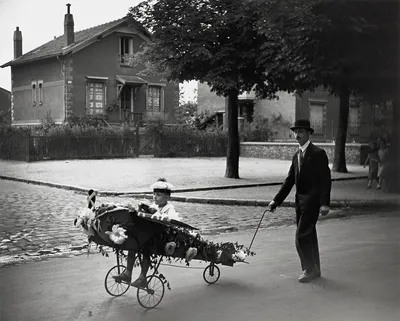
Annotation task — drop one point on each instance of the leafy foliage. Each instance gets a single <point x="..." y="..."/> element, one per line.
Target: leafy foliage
<point x="213" y="41"/>
<point x="87" y="120"/>
<point x="47" y="123"/>
<point x="325" y="42"/>
<point x="185" y="112"/>
<point x="346" y="46"/>
<point x="186" y="141"/>
<point x="257" y="131"/>
<point x="216" y="42"/>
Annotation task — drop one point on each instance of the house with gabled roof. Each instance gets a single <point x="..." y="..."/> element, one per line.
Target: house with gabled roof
<point x="89" y="72"/>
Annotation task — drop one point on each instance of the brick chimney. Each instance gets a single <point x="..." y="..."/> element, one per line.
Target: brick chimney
<point x="17" y="43"/>
<point x="69" y="27"/>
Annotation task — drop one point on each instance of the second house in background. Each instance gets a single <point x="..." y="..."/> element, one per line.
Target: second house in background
<point x="89" y="72"/>
<point x="319" y="106"/>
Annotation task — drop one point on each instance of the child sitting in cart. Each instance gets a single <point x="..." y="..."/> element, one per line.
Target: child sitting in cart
<point x="161" y="207"/>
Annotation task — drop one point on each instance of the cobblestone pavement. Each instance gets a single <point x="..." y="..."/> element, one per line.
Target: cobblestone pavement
<point x="37" y="221"/>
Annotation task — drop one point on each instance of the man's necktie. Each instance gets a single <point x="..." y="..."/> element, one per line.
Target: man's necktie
<point x="301" y="157"/>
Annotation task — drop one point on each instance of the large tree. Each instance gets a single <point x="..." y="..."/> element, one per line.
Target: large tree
<point x="211" y="41"/>
<point x="342" y="45"/>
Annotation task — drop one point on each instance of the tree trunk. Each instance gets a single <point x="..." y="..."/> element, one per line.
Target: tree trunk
<point x="339" y="160"/>
<point x="232" y="153"/>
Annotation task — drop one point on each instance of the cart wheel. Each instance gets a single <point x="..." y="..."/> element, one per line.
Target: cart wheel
<point x="114" y="287"/>
<point x="211" y="274"/>
<point x="151" y="296"/>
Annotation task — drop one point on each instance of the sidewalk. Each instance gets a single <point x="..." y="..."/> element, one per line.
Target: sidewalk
<point x="345" y="193"/>
<point x="197" y="180"/>
<point x="135" y="175"/>
<point x="355" y="285"/>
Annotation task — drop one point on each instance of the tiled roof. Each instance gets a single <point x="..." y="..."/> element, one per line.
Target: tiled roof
<point x="57" y="47"/>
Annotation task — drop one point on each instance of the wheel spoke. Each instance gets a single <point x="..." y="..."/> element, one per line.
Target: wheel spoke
<point x="113" y="287"/>
<point x="159" y="287"/>
<point x="153" y="294"/>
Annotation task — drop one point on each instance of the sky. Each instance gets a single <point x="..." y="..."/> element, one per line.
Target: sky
<point x="41" y="20"/>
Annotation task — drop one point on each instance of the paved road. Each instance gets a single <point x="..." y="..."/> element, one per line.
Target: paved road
<point x="360" y="260"/>
<point x="38" y="220"/>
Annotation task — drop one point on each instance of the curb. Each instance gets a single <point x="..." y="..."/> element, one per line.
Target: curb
<point x="218" y="201"/>
<point x="54" y="185"/>
<point x="211" y="188"/>
<point x="378" y="204"/>
<point x="182" y="190"/>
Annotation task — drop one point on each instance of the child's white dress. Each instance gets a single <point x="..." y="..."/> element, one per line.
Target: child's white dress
<point x="166" y="211"/>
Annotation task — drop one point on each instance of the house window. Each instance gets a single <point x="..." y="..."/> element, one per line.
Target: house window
<point x="33" y="84"/>
<point x="126" y="51"/>
<point x="40" y="88"/>
<point x="154" y="99"/>
<point x="96" y="94"/>
<point x="317" y="116"/>
<point x="354" y="120"/>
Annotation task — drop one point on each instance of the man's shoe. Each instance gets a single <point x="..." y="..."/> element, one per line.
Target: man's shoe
<point x="122" y="278"/>
<point x="139" y="283"/>
<point x="306" y="277"/>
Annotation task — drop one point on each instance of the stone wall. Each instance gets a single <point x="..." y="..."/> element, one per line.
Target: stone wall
<point x="355" y="153"/>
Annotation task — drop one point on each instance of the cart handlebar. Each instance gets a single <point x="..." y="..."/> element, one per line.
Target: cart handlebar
<point x="259" y="223"/>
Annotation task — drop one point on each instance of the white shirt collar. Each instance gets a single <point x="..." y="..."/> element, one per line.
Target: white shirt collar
<point x="304" y="147"/>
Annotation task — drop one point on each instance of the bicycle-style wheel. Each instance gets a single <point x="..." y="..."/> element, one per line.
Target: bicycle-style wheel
<point x="211" y="274"/>
<point x="114" y="287"/>
<point x="152" y="295"/>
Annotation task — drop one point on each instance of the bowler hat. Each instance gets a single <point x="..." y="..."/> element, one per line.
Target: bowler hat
<point x="302" y="124"/>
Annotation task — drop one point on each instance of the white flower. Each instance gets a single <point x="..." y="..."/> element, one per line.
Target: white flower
<point x="117" y="235"/>
<point x="84" y="220"/>
<point x="84" y="214"/>
<point x="239" y="256"/>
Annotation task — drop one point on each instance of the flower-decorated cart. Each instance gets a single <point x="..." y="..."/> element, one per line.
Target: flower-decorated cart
<point x="126" y="228"/>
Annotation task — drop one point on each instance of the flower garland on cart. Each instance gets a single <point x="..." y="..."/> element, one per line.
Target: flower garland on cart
<point x="172" y="241"/>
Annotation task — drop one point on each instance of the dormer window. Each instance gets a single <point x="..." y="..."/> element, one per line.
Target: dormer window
<point x="126" y="51"/>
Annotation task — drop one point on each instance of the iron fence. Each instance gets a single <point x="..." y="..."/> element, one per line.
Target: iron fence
<point x="81" y="147"/>
<point x="169" y="143"/>
<point x="14" y="146"/>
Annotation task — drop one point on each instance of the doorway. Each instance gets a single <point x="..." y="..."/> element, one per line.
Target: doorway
<point x="127" y="98"/>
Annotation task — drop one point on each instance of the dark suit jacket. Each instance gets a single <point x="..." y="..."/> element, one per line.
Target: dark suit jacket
<point x="313" y="182"/>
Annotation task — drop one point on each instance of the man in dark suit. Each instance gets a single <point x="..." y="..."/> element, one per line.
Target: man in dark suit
<point x="311" y="174"/>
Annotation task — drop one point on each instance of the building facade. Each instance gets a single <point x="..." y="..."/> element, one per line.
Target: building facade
<point x="320" y="107"/>
<point x="90" y="72"/>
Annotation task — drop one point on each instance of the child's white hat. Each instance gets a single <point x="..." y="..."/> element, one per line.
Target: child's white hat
<point x="162" y="186"/>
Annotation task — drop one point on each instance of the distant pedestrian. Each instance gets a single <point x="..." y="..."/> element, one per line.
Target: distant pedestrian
<point x="383" y="154"/>
<point x="373" y="165"/>
<point x="312" y="176"/>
